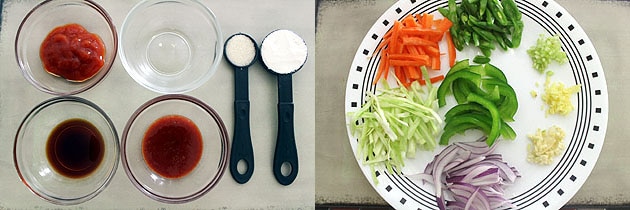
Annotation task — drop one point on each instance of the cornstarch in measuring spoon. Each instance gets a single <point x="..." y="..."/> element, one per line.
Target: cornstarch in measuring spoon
<point x="240" y="50"/>
<point x="283" y="51"/>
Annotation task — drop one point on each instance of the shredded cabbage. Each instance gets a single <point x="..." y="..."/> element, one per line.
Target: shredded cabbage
<point x="394" y="123"/>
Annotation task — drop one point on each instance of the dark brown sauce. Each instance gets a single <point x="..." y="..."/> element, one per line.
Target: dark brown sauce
<point x="75" y="148"/>
<point x="172" y="146"/>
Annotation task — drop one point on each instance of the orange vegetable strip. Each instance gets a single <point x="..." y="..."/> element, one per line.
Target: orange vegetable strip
<point x="444" y="25"/>
<point x="418" y="41"/>
<point x="433" y="79"/>
<point x="383" y="68"/>
<point x="432" y="51"/>
<point x="413" y="72"/>
<point x="451" y="49"/>
<point x="435" y="63"/>
<point x="409" y="21"/>
<point x="413" y="50"/>
<point x="409" y="57"/>
<point x="418" y="17"/>
<point x="380" y="46"/>
<point x="427" y="20"/>
<point x="417" y="31"/>
<point x="411" y="43"/>
<point x="416" y="63"/>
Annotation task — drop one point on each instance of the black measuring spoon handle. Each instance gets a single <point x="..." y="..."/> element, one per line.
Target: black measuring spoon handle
<point x="241" y="143"/>
<point x="286" y="151"/>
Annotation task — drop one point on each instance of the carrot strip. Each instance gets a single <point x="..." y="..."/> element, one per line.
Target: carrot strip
<point x="411" y="43"/>
<point x="418" y="31"/>
<point x="436" y="63"/>
<point x="432" y="51"/>
<point x="433" y="79"/>
<point x="409" y="21"/>
<point x="410" y="57"/>
<point x="413" y="73"/>
<point x="451" y="49"/>
<point x="418" y="41"/>
<point x="416" y="63"/>
<point x="427" y="20"/>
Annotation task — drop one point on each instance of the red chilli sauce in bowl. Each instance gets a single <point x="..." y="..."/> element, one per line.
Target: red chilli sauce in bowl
<point x="172" y="146"/>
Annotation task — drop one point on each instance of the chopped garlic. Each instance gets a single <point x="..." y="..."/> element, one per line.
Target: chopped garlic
<point x="545" y="145"/>
<point x="534" y="94"/>
<point x="558" y="97"/>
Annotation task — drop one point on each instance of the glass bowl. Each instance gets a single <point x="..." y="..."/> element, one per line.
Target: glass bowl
<point x="32" y="161"/>
<point x="41" y="20"/>
<point x="207" y="172"/>
<point x="171" y="46"/>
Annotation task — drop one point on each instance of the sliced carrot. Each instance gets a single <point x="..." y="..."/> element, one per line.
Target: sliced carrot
<point x="421" y="32"/>
<point x="415" y="63"/>
<point x="411" y="43"/>
<point x="443" y="25"/>
<point x="413" y="73"/>
<point x="432" y="51"/>
<point x="409" y="21"/>
<point x="451" y="49"/>
<point x="409" y="57"/>
<point x="433" y="79"/>
<point x="427" y="20"/>
<point x="418" y="41"/>
<point x="435" y="63"/>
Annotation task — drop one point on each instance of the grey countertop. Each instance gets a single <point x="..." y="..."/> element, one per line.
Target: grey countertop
<point x="119" y="96"/>
<point x="342" y="24"/>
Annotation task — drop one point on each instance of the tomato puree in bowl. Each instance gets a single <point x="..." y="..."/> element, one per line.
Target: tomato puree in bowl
<point x="72" y="52"/>
<point x="172" y="146"/>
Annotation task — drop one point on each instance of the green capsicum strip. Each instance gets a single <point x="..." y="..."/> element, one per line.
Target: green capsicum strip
<point x="448" y="81"/>
<point x="509" y="105"/>
<point x="465" y="122"/>
<point x="494" y="113"/>
<point x="463" y="108"/>
<point x="493" y="71"/>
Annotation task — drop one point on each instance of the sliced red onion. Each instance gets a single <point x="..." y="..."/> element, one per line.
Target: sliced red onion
<point x="472" y="175"/>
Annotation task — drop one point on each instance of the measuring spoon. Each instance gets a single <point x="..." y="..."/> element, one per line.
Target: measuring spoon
<point x="241" y="52"/>
<point x="283" y="53"/>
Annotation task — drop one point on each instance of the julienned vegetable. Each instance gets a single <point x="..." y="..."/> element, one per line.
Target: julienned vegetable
<point x="394" y="123"/>
<point x="411" y="43"/>
<point x="485" y="101"/>
<point x="483" y="23"/>
<point x="546" y="50"/>
<point x="472" y="175"/>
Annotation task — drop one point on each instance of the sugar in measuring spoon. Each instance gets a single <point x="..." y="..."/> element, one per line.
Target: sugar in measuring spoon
<point x="283" y="53"/>
<point x="241" y="51"/>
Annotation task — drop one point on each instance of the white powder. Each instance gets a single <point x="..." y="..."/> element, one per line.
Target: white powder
<point x="240" y="50"/>
<point x="283" y="51"/>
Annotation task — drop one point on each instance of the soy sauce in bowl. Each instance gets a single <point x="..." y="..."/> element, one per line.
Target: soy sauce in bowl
<point x="75" y="148"/>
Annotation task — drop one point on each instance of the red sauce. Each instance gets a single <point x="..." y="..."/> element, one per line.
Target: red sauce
<point x="72" y="52"/>
<point x="75" y="148"/>
<point x="172" y="146"/>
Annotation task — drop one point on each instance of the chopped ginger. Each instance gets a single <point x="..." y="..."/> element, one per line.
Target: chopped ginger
<point x="558" y="97"/>
<point x="534" y="94"/>
<point x="545" y="145"/>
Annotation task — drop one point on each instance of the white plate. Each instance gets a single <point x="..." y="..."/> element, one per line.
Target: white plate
<point x="540" y="187"/>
